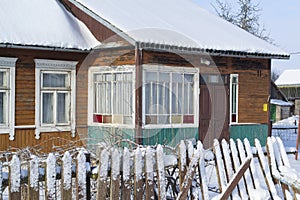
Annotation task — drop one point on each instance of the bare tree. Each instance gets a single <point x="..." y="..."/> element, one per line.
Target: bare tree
<point x="246" y="16"/>
<point x="275" y="73"/>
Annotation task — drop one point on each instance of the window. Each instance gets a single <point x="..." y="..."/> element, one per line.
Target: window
<point x="170" y="96"/>
<point x="55" y="96"/>
<point x="113" y="97"/>
<point x="7" y="95"/>
<point x="234" y="98"/>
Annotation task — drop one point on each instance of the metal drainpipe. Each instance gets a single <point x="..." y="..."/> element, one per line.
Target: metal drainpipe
<point x="138" y="93"/>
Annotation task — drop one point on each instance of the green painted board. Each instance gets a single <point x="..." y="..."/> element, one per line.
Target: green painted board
<point x="250" y="131"/>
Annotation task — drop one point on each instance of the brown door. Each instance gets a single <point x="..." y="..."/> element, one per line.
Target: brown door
<point x="214" y="108"/>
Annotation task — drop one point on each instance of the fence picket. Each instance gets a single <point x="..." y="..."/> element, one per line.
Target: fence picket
<point x="160" y="173"/>
<point x="149" y="174"/>
<point x="102" y="175"/>
<point x="126" y="182"/>
<point x="33" y="185"/>
<point x="66" y="177"/>
<point x="15" y="178"/>
<point x="81" y="176"/>
<point x="182" y="161"/>
<point x="138" y="174"/>
<point x="51" y="177"/>
<point x="1" y="181"/>
<point x="236" y="165"/>
<point x="202" y="174"/>
<point x="115" y="175"/>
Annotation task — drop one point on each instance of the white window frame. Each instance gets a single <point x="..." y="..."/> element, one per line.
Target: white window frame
<point x="54" y="66"/>
<point x="237" y="98"/>
<point x="109" y="69"/>
<point x="9" y="65"/>
<point x="163" y="68"/>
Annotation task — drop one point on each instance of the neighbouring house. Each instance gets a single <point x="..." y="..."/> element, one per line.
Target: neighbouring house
<point x="41" y="46"/>
<point x="289" y="83"/>
<point x="280" y="107"/>
<point x="147" y="71"/>
<point x="168" y="71"/>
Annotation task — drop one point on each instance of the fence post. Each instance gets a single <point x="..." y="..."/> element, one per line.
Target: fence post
<point x="33" y="177"/>
<point x="50" y="177"/>
<point x="182" y="161"/>
<point x="0" y="180"/>
<point x="81" y="176"/>
<point x="160" y="173"/>
<point x="138" y="176"/>
<point x="66" y="177"/>
<point x="88" y="175"/>
<point x="149" y="174"/>
<point x="102" y="175"/>
<point x="298" y="137"/>
<point x="115" y="175"/>
<point x="126" y="182"/>
<point x="15" y="178"/>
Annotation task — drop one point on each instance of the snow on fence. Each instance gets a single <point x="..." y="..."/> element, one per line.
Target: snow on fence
<point x="117" y="173"/>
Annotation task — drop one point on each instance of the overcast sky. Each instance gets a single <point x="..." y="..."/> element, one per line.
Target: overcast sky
<point x="281" y="19"/>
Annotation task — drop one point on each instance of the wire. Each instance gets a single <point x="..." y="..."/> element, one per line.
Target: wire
<point x="295" y="53"/>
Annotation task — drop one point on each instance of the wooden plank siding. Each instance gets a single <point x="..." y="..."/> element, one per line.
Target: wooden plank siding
<point x="25" y="101"/>
<point x="254" y="78"/>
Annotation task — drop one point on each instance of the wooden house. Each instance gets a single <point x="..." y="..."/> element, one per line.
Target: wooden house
<point x="168" y="71"/>
<point x="41" y="46"/>
<point x="280" y="107"/>
<point x="289" y="83"/>
<point x="164" y="72"/>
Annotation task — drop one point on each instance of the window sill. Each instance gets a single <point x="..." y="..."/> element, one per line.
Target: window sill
<point x="112" y="125"/>
<point x="160" y="126"/>
<point x="55" y="128"/>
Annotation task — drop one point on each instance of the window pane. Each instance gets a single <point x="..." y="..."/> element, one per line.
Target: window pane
<point x="151" y="76"/>
<point x="147" y="97"/>
<point x="3" y="80"/>
<point x="47" y="117"/>
<point x="55" y="80"/>
<point x="62" y="108"/>
<point x="3" y="107"/>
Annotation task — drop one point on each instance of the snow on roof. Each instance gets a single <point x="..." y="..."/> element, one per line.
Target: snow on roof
<point x="180" y="23"/>
<point x="288" y="78"/>
<point x="42" y="23"/>
<point x="280" y="102"/>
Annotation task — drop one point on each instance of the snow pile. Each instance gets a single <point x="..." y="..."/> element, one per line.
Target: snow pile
<point x="138" y="165"/>
<point x="180" y="24"/>
<point x="126" y="165"/>
<point x="160" y="171"/>
<point x="103" y="165"/>
<point x="42" y="23"/>
<point x="291" y="122"/>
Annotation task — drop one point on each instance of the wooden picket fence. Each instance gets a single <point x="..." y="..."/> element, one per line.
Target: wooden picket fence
<point x="146" y="173"/>
<point x="117" y="174"/>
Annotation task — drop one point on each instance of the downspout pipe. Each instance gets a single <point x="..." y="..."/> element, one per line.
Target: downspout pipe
<point x="138" y="93"/>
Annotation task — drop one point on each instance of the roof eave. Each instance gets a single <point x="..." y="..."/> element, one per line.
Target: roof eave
<point x="40" y="47"/>
<point x="213" y="52"/>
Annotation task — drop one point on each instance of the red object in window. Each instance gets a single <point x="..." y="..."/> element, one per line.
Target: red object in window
<point x="97" y="118"/>
<point x="188" y="119"/>
<point x="233" y="118"/>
